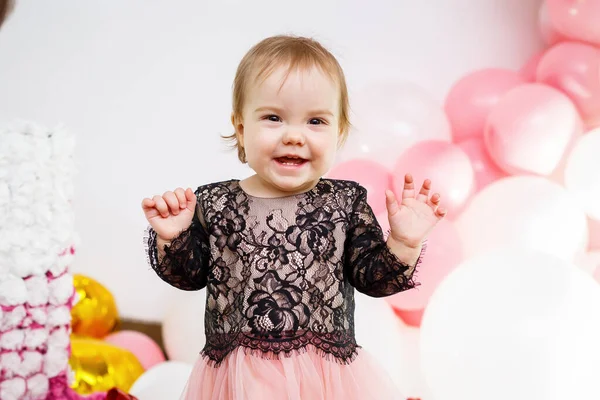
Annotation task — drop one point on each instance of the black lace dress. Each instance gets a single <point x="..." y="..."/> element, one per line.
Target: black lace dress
<point x="280" y="273"/>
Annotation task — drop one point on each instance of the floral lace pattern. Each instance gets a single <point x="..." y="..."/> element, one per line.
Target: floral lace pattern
<point x="280" y="273"/>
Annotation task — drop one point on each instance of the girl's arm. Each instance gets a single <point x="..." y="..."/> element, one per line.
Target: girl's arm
<point x="182" y="262"/>
<point x="372" y="267"/>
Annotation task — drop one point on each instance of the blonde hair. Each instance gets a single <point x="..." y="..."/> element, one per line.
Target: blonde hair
<point x="295" y="52"/>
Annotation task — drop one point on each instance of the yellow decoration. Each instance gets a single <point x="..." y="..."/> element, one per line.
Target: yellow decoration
<point x="95" y="311"/>
<point x="99" y="366"/>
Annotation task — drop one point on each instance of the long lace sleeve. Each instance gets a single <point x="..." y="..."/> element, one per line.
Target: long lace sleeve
<point x="183" y="263"/>
<point x="371" y="267"/>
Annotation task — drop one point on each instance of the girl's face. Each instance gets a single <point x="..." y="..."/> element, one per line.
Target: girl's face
<point x="290" y="130"/>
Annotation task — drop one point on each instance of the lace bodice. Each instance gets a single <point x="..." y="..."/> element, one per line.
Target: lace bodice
<point x="280" y="273"/>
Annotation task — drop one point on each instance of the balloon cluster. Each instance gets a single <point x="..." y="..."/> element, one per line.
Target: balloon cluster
<point x="106" y="358"/>
<point x="515" y="157"/>
<point x="102" y="356"/>
<point x="183" y="338"/>
<point x="512" y="153"/>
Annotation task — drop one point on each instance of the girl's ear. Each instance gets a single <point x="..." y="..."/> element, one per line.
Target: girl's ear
<point x="238" y="126"/>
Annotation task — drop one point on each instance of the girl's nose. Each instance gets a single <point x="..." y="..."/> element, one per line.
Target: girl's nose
<point x="293" y="136"/>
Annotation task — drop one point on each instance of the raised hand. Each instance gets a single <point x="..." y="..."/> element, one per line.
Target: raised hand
<point x="416" y="215"/>
<point x="171" y="213"/>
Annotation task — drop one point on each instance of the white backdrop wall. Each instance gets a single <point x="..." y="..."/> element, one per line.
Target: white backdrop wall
<point x="145" y="85"/>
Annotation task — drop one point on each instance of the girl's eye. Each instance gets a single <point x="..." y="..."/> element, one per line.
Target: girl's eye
<point x="316" y="121"/>
<point x="273" y="118"/>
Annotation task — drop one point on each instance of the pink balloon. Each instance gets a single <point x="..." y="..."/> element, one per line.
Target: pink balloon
<point x="373" y="176"/>
<point x="549" y="34"/>
<point x="471" y="98"/>
<point x="594" y="230"/>
<point x="596" y="274"/>
<point x="443" y="254"/>
<point x="574" y="69"/>
<point x="448" y="167"/>
<point x="410" y="317"/>
<point x="143" y="347"/>
<point x="529" y="69"/>
<point x="486" y="171"/>
<point x="530" y="129"/>
<point x="576" y="19"/>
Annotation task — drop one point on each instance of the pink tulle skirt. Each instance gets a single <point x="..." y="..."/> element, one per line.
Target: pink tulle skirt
<point x="302" y="376"/>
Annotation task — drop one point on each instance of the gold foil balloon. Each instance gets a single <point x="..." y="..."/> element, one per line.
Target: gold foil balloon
<point x="95" y="312"/>
<point x="99" y="366"/>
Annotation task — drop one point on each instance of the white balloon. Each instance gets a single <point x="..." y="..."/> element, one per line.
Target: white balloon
<point x="526" y="211"/>
<point x="389" y="118"/>
<point x="163" y="381"/>
<point x="183" y="326"/>
<point x="513" y="324"/>
<point x="358" y="145"/>
<point x="395" y="346"/>
<point x="581" y="172"/>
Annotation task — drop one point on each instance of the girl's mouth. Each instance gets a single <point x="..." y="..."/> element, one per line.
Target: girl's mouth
<point x="291" y="161"/>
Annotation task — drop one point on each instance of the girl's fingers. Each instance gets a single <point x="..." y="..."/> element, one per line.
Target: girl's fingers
<point x="170" y="203"/>
<point x="147" y="204"/>
<point x="190" y="197"/>
<point x="434" y="201"/>
<point x="424" y="192"/>
<point x="180" y="194"/>
<point x="409" y="187"/>
<point x="391" y="203"/>
<point x="441" y="212"/>
<point x="161" y="206"/>
<point x="171" y="200"/>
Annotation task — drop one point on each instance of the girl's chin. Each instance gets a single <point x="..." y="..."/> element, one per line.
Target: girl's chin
<point x="292" y="185"/>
